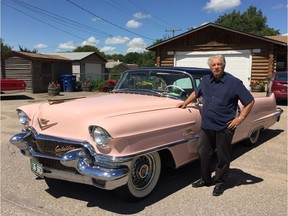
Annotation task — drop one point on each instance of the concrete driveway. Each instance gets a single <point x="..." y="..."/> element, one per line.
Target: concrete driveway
<point x="257" y="184"/>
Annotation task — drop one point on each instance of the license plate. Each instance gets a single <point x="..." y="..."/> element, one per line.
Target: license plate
<point x="36" y="168"/>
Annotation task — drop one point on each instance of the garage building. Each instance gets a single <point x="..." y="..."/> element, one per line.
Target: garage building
<point x="249" y="57"/>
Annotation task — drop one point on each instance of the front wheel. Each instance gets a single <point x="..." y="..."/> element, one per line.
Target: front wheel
<point x="143" y="177"/>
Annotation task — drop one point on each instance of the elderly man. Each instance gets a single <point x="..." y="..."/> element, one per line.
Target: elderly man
<point x="221" y="92"/>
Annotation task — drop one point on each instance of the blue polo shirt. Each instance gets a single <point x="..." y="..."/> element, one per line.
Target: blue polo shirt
<point x="220" y="100"/>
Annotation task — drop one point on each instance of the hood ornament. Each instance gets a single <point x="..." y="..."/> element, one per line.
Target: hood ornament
<point x="43" y="123"/>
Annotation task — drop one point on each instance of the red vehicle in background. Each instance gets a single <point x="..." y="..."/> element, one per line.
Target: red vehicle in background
<point x="12" y="85"/>
<point x="278" y="84"/>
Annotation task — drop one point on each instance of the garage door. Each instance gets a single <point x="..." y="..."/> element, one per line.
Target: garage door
<point x="238" y="62"/>
<point x="93" y="71"/>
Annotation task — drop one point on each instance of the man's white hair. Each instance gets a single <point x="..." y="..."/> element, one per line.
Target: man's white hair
<point x="217" y="56"/>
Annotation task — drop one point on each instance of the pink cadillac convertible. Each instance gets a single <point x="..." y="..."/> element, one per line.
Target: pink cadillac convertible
<point x="120" y="139"/>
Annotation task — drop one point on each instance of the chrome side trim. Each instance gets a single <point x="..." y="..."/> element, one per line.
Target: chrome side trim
<point x="122" y="159"/>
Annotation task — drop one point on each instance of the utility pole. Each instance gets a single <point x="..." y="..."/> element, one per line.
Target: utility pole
<point x="173" y="31"/>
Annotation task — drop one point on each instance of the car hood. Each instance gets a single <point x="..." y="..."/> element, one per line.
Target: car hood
<point x="71" y="118"/>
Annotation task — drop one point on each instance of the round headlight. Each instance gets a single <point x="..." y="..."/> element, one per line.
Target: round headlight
<point x="100" y="136"/>
<point x="23" y="118"/>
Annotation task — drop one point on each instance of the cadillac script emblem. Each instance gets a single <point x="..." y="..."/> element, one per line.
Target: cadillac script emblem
<point x="43" y="123"/>
<point x="60" y="150"/>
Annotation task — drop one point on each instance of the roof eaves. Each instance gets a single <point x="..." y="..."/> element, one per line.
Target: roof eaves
<point x="38" y="56"/>
<point x="217" y="26"/>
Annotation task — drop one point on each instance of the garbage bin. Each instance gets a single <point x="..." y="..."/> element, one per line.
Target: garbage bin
<point x="69" y="82"/>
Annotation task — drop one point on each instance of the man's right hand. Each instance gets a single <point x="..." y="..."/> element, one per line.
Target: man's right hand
<point x="181" y="105"/>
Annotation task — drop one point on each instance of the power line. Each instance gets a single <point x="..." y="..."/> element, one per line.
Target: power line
<point x="42" y="21"/>
<point x="107" y="20"/>
<point x="35" y="10"/>
<point x="60" y="19"/>
<point x="115" y="4"/>
<point x="163" y="21"/>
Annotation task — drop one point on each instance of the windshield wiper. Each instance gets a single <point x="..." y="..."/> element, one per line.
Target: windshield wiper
<point x="152" y="92"/>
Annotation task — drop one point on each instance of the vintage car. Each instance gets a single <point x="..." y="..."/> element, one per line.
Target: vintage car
<point x="12" y="85"/>
<point x="119" y="140"/>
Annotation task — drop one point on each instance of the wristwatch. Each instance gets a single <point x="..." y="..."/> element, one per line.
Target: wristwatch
<point x="240" y="118"/>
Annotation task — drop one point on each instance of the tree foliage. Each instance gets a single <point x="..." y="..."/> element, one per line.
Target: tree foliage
<point x="86" y="48"/>
<point x="5" y="48"/>
<point x="145" y="59"/>
<point x="89" y="48"/>
<point x="251" y="21"/>
<point x="24" y="49"/>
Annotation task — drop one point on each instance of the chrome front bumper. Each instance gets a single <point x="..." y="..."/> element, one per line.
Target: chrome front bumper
<point x="97" y="170"/>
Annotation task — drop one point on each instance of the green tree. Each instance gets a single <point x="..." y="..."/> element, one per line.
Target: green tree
<point x="132" y="57"/>
<point x="5" y="48"/>
<point x="116" y="57"/>
<point x="146" y="59"/>
<point x="251" y="21"/>
<point x="89" y="48"/>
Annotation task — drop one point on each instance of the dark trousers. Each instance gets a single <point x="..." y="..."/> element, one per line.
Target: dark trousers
<point x="208" y="142"/>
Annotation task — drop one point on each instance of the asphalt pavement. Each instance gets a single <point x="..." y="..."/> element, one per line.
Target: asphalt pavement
<point x="257" y="183"/>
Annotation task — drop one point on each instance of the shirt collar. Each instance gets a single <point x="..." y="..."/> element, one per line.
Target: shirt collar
<point x="222" y="79"/>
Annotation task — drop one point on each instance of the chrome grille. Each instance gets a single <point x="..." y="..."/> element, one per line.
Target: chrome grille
<point x="55" y="164"/>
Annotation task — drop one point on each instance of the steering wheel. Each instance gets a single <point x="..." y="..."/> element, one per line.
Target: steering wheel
<point x="172" y="89"/>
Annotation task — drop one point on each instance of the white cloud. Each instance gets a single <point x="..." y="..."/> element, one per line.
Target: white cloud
<point x="221" y="5"/>
<point x="140" y="15"/>
<point x="40" y="46"/>
<point x="95" y="19"/>
<point x="133" y="24"/>
<point x="67" y="45"/>
<point x="71" y="45"/>
<point x="139" y="42"/>
<point x="107" y="49"/>
<point x="135" y="49"/>
<point x="116" y="40"/>
<point x="90" y="41"/>
<point x="279" y="6"/>
<point x="136" y="45"/>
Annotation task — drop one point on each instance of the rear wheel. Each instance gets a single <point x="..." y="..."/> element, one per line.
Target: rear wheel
<point x="144" y="175"/>
<point x="253" y="138"/>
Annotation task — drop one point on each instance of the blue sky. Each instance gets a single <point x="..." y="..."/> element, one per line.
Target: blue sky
<point x="117" y="26"/>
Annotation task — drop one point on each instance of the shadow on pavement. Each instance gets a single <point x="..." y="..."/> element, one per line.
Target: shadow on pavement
<point x="282" y="102"/>
<point x="171" y="181"/>
<point x="15" y="97"/>
<point x="238" y="177"/>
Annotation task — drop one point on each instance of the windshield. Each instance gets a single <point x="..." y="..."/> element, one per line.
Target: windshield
<point x="162" y="83"/>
